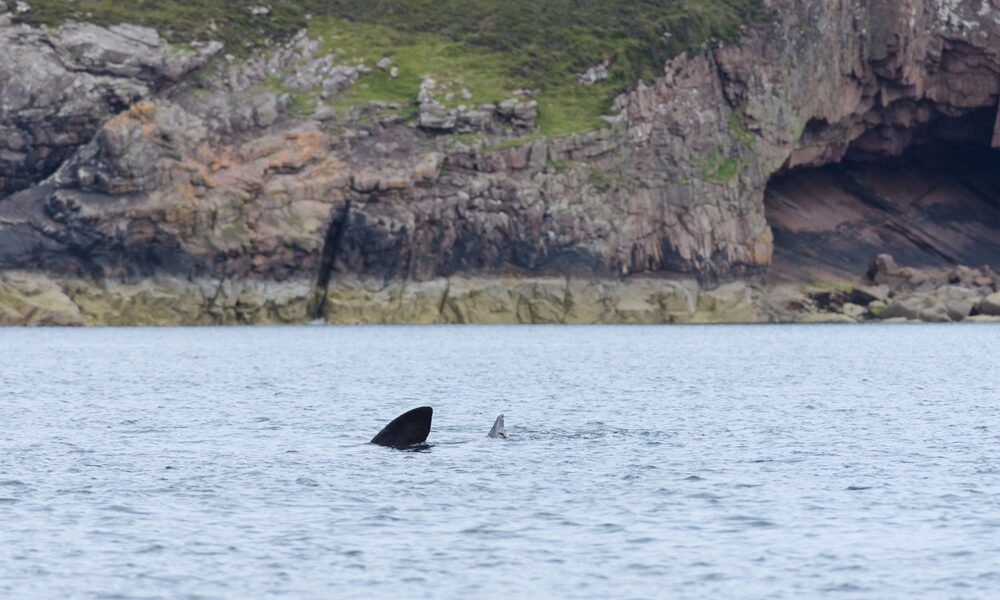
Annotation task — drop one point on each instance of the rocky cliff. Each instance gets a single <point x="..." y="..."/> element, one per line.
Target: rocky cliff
<point x="146" y="183"/>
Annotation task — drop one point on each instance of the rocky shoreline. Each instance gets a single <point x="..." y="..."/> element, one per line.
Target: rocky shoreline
<point x="886" y="294"/>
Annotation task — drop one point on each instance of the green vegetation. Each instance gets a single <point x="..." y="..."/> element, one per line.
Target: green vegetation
<point x="716" y="169"/>
<point x="301" y="104"/>
<point x="738" y="130"/>
<point x="454" y="65"/>
<point x="513" y="143"/>
<point x="599" y="178"/>
<point x="490" y="47"/>
<point x="235" y="232"/>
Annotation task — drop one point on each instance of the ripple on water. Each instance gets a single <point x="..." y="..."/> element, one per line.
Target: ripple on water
<point x="644" y="462"/>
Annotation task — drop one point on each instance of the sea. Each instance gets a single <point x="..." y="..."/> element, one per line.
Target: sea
<point x="799" y="461"/>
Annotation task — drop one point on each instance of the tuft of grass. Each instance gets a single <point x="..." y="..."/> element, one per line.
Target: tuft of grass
<point x="235" y="232"/>
<point x="302" y="104"/>
<point x="738" y="130"/>
<point x="513" y="143"/>
<point x="599" y="178"/>
<point x="716" y="169"/>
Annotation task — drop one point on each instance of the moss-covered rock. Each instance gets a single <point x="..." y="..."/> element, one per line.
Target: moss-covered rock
<point x="31" y="299"/>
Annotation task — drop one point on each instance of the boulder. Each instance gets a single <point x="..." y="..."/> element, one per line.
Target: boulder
<point x="426" y="93"/>
<point x="594" y="74"/>
<point x="518" y="113"/>
<point x="958" y="301"/>
<point x="786" y="303"/>
<point x="437" y="117"/>
<point x="917" y="307"/>
<point x="265" y="109"/>
<point x="473" y="120"/>
<point x="854" y="311"/>
<point x="964" y="276"/>
<point x="865" y="294"/>
<point x="341" y="77"/>
<point x="883" y="270"/>
<point x="876" y="308"/>
<point x="990" y="305"/>
<point x="323" y="113"/>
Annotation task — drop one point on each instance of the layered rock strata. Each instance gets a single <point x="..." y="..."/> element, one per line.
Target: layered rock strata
<point x="121" y="168"/>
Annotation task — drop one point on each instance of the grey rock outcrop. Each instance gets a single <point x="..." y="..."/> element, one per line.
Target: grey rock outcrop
<point x="59" y="88"/>
<point x="594" y="74"/>
<point x="436" y="117"/>
<point x="340" y="78"/>
<point x="518" y="112"/>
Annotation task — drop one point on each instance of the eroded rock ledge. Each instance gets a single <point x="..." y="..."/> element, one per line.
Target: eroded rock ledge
<point x="119" y="170"/>
<point x="31" y="299"/>
<point x="886" y="293"/>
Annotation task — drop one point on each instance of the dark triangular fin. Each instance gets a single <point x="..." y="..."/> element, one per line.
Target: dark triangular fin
<point x="498" y="431"/>
<point x="407" y="429"/>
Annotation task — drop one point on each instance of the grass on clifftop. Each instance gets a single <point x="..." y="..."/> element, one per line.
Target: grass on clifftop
<point x="495" y="45"/>
<point x="564" y="106"/>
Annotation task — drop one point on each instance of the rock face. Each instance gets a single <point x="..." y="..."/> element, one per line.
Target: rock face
<point x="60" y="87"/>
<point x="116" y="168"/>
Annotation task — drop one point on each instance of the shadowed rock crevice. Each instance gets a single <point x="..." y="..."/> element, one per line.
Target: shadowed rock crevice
<point x="328" y="260"/>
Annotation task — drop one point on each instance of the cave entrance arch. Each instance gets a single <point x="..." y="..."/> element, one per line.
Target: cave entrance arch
<point x="931" y="201"/>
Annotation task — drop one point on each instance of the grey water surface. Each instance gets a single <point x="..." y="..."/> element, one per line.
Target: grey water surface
<point x="644" y="462"/>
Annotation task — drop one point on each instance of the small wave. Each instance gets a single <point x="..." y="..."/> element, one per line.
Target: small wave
<point x="124" y="509"/>
<point x="642" y="540"/>
<point x="844" y="587"/>
<point x="706" y="496"/>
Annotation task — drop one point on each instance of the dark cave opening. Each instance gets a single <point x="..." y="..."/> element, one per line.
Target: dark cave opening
<point x="935" y="204"/>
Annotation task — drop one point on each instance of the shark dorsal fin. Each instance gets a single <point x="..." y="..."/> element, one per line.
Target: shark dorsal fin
<point x="498" y="431"/>
<point x="407" y="429"/>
